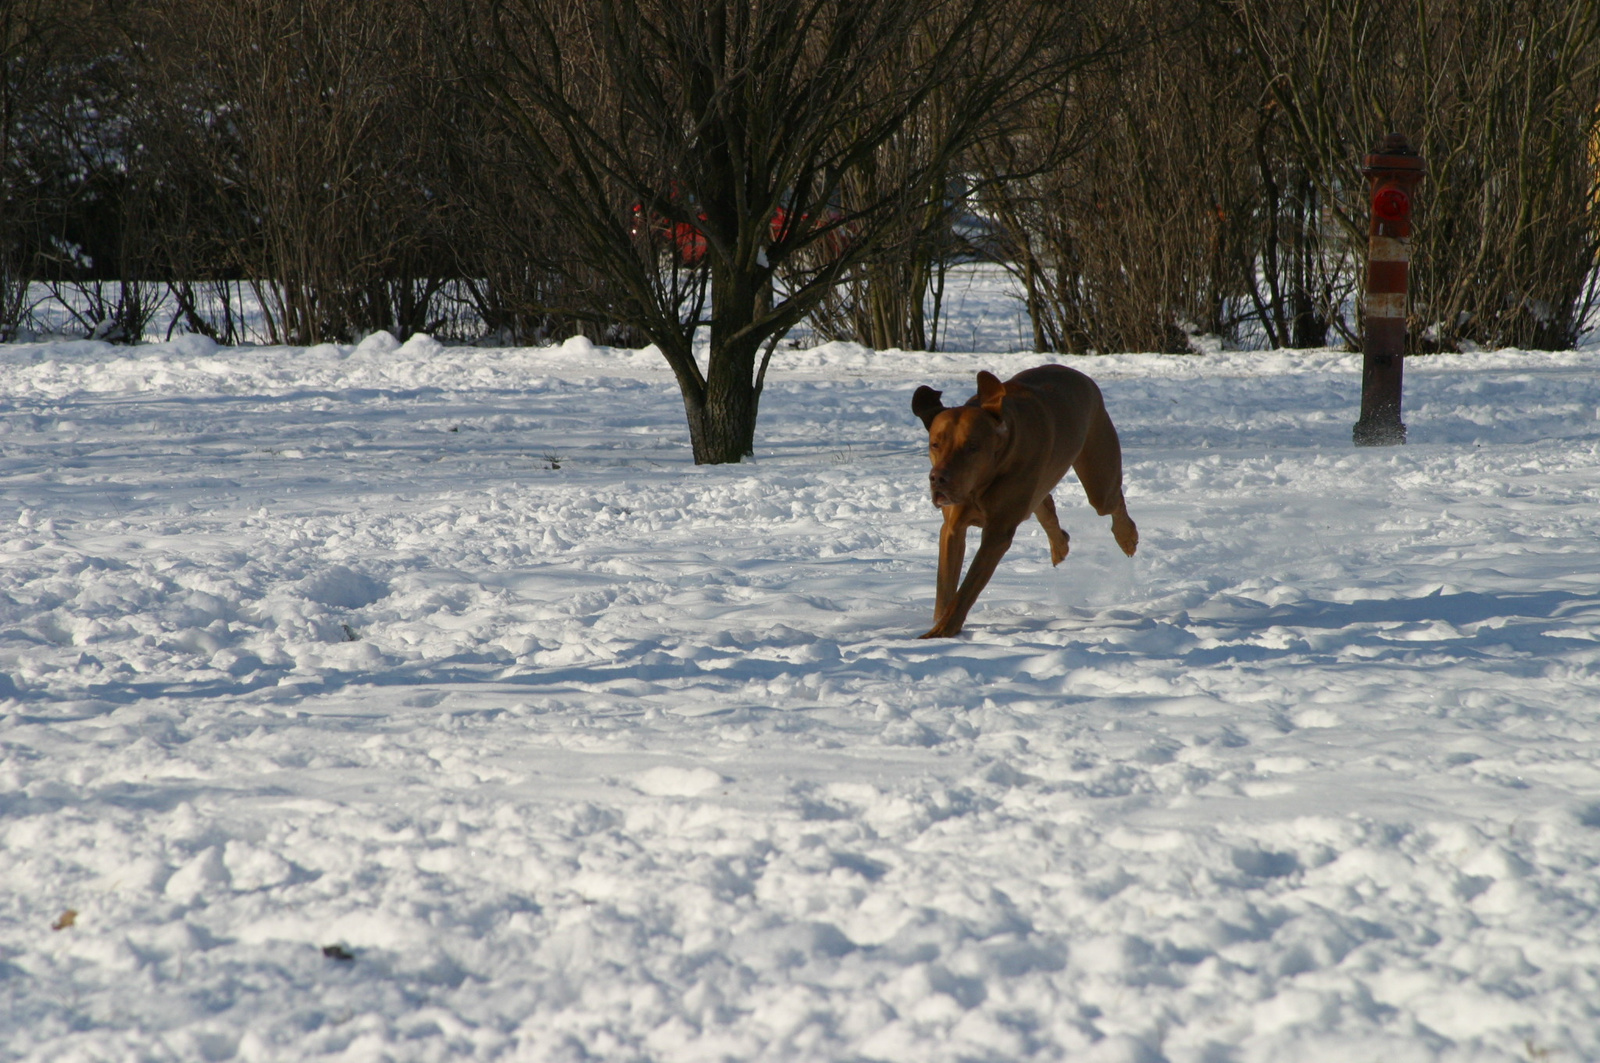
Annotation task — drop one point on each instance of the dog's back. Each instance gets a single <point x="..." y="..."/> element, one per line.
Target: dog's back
<point x="1057" y="407"/>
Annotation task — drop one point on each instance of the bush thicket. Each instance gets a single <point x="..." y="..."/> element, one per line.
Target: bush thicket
<point x="636" y="169"/>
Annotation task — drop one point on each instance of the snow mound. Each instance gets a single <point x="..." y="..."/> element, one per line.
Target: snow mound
<point x="343" y="588"/>
<point x="666" y="781"/>
<point x="379" y="344"/>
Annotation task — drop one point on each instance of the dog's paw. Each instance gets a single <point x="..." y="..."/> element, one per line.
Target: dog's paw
<point x="1125" y="532"/>
<point x="1059" y="551"/>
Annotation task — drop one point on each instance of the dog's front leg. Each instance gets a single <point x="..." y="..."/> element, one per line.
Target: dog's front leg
<point x="992" y="547"/>
<point x="952" y="551"/>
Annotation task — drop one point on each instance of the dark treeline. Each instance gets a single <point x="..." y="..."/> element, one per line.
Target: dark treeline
<point x="635" y="170"/>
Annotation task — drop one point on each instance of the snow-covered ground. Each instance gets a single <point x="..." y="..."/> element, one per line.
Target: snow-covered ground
<point x="449" y="661"/>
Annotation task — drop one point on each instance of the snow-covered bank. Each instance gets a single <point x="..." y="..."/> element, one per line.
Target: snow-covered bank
<point x="451" y="658"/>
<point x="980" y="309"/>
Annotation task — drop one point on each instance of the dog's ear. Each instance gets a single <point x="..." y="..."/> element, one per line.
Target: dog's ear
<point x="990" y="391"/>
<point x="926" y="405"/>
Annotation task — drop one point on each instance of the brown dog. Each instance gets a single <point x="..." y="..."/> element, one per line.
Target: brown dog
<point x="995" y="461"/>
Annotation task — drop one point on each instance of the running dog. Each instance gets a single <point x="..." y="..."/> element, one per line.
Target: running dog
<point x="995" y="461"/>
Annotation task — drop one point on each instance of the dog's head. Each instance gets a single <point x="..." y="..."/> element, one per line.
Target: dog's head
<point x="964" y="442"/>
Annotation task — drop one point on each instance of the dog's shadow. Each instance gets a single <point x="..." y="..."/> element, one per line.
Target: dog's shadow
<point x="1516" y="631"/>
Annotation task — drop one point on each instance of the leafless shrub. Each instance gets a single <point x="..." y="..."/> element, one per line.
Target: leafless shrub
<point x="1500" y="100"/>
<point x="34" y="44"/>
<point x="1220" y="189"/>
<point x="507" y="242"/>
<point x="882" y="301"/>
<point x="672" y="170"/>
<point x="1307" y="269"/>
<point x="1143" y="232"/>
<point x="67" y="192"/>
<point x="298" y="132"/>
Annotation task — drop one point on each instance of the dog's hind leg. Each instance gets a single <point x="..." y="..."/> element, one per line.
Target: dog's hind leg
<point x="1099" y="469"/>
<point x="1046" y="514"/>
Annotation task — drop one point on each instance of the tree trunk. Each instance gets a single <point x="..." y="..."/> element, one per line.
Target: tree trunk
<point x="1310" y="327"/>
<point x="722" y="414"/>
<point x="722" y="422"/>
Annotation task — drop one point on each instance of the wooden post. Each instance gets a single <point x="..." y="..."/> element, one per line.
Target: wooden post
<point x="1392" y="174"/>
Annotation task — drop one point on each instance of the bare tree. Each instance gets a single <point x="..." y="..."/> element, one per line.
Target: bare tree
<point x="697" y="148"/>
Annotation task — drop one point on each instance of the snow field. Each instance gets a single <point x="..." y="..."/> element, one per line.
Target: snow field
<point x="450" y="658"/>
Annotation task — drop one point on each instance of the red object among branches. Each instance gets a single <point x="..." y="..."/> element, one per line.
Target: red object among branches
<point x="689" y="246"/>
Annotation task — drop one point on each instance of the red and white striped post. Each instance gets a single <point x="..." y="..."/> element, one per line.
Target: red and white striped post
<point x="1392" y="174"/>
